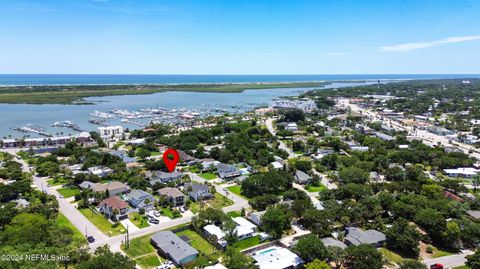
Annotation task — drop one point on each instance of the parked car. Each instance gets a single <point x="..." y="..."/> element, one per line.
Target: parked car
<point x="156" y="213"/>
<point x="90" y="239"/>
<point x="153" y="220"/>
<point x="182" y="209"/>
<point x="436" y="266"/>
<point x="60" y="196"/>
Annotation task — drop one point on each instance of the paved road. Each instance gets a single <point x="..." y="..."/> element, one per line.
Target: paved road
<point x="269" y="123"/>
<point x="449" y="261"/>
<point x="66" y="208"/>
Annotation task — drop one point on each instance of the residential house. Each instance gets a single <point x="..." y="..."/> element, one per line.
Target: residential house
<point x="256" y="217"/>
<point x="332" y="242"/>
<point x="277" y="165"/>
<point x="112" y="204"/>
<point x="227" y="171"/>
<point x="163" y="177"/>
<point x="114" y="188"/>
<point x="302" y="177"/>
<point x="86" y="185"/>
<point x="198" y="191"/>
<point x="100" y="171"/>
<point x="245" y="229"/>
<point x="292" y="126"/>
<point x="356" y="236"/>
<point x="208" y="163"/>
<point x="184" y="157"/>
<point x="465" y="172"/>
<point x="276" y="258"/>
<point x="173" y="247"/>
<point x="123" y="155"/>
<point x="141" y="200"/>
<point x="213" y="230"/>
<point x="173" y="195"/>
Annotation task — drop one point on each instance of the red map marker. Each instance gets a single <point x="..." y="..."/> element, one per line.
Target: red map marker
<point x="170" y="163"/>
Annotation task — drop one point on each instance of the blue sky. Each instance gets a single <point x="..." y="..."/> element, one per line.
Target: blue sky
<point x="239" y="37"/>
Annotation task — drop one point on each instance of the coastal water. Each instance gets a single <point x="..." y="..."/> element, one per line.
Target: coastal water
<point x="21" y="79"/>
<point x="18" y="115"/>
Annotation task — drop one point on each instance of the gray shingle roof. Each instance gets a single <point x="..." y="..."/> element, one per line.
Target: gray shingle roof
<point x="173" y="245"/>
<point x="357" y="236"/>
<point x="332" y="242"/>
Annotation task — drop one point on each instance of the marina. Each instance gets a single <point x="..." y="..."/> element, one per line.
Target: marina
<point x="135" y="111"/>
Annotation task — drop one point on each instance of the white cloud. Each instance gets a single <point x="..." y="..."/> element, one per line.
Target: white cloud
<point x="336" y="54"/>
<point x="421" y="45"/>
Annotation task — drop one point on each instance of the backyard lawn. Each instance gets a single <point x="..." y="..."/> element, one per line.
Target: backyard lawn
<point x="219" y="201"/>
<point x="194" y="207"/>
<point x="197" y="242"/>
<point x="78" y="237"/>
<point x="318" y="188"/>
<point x="56" y="181"/>
<point x="139" y="220"/>
<point x="247" y="243"/>
<point x="139" y="246"/>
<point x="68" y="192"/>
<point x="168" y="212"/>
<point x="102" y="223"/>
<point x="391" y="256"/>
<point x="236" y="190"/>
<point x="149" y="261"/>
<point x="208" y="176"/>
<point x="233" y="214"/>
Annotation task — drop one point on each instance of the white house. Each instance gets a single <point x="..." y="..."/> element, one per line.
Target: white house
<point x="466" y="172"/>
<point x="245" y="229"/>
<point x="276" y="258"/>
<point x="215" y="230"/>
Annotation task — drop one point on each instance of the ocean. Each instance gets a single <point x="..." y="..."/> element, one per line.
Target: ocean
<point x="63" y="79"/>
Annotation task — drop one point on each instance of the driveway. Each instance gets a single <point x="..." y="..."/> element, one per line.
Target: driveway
<point x="449" y="261"/>
<point x="269" y="123"/>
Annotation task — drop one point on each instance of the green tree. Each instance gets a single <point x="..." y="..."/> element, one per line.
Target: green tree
<point x="412" y="264"/>
<point x="310" y="248"/>
<point x="404" y="238"/>
<point x="364" y="257"/>
<point x="317" y="264"/>
<point x="236" y="260"/>
<point x="473" y="261"/>
<point x="105" y="259"/>
<point x="275" y="221"/>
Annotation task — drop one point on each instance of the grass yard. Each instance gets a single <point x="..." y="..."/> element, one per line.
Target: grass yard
<point x="154" y="153"/>
<point x="68" y="192"/>
<point x="139" y="246"/>
<point x="56" y="181"/>
<point x="197" y="242"/>
<point x="461" y="267"/>
<point x="168" y="212"/>
<point x="149" y="261"/>
<point x="139" y="220"/>
<point x="208" y="176"/>
<point x="233" y="214"/>
<point x="102" y="223"/>
<point x="194" y="207"/>
<point x="437" y="253"/>
<point x="219" y="201"/>
<point x="237" y="190"/>
<point x="247" y="243"/>
<point x="319" y="188"/>
<point x="78" y="237"/>
<point x="391" y="256"/>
